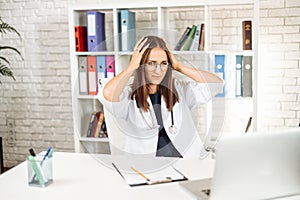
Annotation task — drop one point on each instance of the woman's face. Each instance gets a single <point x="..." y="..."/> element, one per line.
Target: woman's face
<point x="156" y="66"/>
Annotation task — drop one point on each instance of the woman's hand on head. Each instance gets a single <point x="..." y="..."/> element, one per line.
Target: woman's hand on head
<point x="174" y="61"/>
<point x="138" y="52"/>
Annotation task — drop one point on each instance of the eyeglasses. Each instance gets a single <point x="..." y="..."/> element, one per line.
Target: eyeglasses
<point x="152" y="66"/>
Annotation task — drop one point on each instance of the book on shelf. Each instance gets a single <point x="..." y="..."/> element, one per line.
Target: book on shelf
<point x="202" y="36"/>
<point x="103" y="130"/>
<point x="247" y="35"/>
<point x="189" y="39"/>
<point x="96" y="31"/>
<point x="196" y="41"/>
<point x="95" y="124"/>
<point x="99" y="124"/>
<point x="182" y="38"/>
<point x="80" y="38"/>
<point x="90" y="126"/>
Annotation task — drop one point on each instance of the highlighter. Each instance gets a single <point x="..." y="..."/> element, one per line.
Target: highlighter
<point x="37" y="170"/>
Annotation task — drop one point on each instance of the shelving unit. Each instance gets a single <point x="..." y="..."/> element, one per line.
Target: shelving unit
<point x="168" y="19"/>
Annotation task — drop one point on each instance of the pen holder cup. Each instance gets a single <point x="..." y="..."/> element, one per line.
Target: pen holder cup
<point x="39" y="171"/>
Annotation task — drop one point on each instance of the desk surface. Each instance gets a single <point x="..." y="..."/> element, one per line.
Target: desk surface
<point x="87" y="176"/>
<point x="82" y="176"/>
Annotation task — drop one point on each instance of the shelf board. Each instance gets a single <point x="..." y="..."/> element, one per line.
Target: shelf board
<point x="233" y="99"/>
<point x="232" y="52"/>
<point x="92" y="139"/>
<point x="87" y="97"/>
<point x="94" y="53"/>
<point x="129" y="53"/>
<point x="150" y="4"/>
<point x="188" y="52"/>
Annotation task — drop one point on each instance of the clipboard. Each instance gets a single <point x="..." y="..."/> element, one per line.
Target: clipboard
<point x="134" y="177"/>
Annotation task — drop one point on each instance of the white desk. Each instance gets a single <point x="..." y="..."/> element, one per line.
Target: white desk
<point x="82" y="176"/>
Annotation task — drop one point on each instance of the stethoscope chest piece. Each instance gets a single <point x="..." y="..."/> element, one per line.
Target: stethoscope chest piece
<point x="173" y="129"/>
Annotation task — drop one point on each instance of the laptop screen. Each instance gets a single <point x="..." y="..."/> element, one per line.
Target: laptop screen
<point x="257" y="166"/>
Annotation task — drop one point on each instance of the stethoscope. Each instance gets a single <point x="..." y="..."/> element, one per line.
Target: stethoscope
<point x="172" y="129"/>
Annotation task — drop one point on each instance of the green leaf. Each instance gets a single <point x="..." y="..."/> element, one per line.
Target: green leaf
<point x="11" y="48"/>
<point x="5" y="71"/>
<point x="4" y="62"/>
<point x="6" y="27"/>
<point x="3" y="58"/>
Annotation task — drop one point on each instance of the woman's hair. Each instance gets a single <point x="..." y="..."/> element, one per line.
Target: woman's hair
<point x="140" y="87"/>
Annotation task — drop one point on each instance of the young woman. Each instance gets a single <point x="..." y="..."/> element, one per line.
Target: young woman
<point x="152" y="109"/>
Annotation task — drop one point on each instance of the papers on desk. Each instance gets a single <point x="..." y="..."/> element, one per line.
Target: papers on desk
<point x="148" y="171"/>
<point x="166" y="175"/>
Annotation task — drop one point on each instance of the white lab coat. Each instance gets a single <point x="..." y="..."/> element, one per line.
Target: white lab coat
<point x="133" y="131"/>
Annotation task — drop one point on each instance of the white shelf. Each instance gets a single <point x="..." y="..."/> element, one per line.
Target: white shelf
<point x="148" y="4"/>
<point x="87" y="97"/>
<point x="164" y="16"/>
<point x="99" y="53"/>
<point x="91" y="139"/>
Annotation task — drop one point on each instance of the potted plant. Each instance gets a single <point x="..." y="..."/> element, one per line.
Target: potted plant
<point x="4" y="62"/>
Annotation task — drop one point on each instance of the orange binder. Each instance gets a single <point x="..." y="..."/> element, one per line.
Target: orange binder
<point x="92" y="75"/>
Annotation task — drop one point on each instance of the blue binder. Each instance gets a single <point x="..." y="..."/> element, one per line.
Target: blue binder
<point x="220" y="70"/>
<point x="238" y="75"/>
<point x="96" y="31"/>
<point x="101" y="69"/>
<point x="128" y="30"/>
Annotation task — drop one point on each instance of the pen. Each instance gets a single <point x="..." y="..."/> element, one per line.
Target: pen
<point x="47" y="154"/>
<point x="117" y="170"/>
<point x="141" y="174"/>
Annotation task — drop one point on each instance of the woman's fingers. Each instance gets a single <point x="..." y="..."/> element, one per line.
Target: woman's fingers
<point x="139" y="45"/>
<point x="174" y="61"/>
<point x="138" y="52"/>
<point x="143" y="49"/>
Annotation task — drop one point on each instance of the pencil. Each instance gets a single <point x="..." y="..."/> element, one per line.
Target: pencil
<point x="141" y="174"/>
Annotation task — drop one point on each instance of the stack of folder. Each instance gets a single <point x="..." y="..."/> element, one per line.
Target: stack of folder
<point x="237" y="73"/>
<point x="92" y="69"/>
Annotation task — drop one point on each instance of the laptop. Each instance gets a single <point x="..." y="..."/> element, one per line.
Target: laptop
<point x="253" y="166"/>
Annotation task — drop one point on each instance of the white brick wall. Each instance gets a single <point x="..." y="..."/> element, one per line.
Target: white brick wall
<point x="280" y="38"/>
<point x="40" y="100"/>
